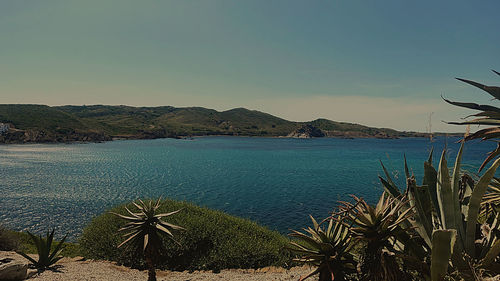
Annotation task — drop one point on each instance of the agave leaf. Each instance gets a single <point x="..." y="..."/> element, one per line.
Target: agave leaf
<point x="478" y="121"/>
<point x="138" y="206"/>
<point x="430" y="180"/>
<point x="491" y="255"/>
<point x="136" y="215"/>
<point x="164" y="229"/>
<point x="167" y="214"/>
<point x="146" y="241"/>
<point x="475" y="106"/>
<point x="128" y="239"/>
<point x="392" y="188"/>
<point x="297" y="247"/>
<point x="489" y="114"/>
<point x="389" y="188"/>
<point x="484" y="134"/>
<point x="492" y="90"/>
<point x="455" y="185"/>
<point x="407" y="172"/>
<point x="169" y="225"/>
<point x="474" y="205"/>
<point x="56" y="259"/>
<point x="305" y="238"/>
<point x="315" y="223"/>
<point x="135" y="219"/>
<point x="445" y="195"/>
<point x="157" y="205"/>
<point x="28" y="258"/>
<point x="421" y="203"/>
<point x="330" y="226"/>
<point x="490" y="157"/>
<point x="491" y="237"/>
<point x="58" y="248"/>
<point x="42" y="257"/>
<point x="443" y="241"/>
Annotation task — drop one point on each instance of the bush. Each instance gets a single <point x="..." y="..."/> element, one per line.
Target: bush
<point x="212" y="240"/>
<point x="8" y="240"/>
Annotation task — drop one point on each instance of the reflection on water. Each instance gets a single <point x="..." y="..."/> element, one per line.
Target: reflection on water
<point x="276" y="182"/>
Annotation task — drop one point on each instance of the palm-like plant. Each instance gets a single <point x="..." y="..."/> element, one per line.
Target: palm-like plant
<point x="380" y="228"/>
<point x="46" y="256"/>
<point x="489" y="115"/>
<point x="328" y="250"/>
<point x="143" y="229"/>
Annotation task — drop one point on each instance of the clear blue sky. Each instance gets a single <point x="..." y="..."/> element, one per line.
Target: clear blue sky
<point x="380" y="63"/>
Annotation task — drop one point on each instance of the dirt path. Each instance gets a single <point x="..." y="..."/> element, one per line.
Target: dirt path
<point x="78" y="270"/>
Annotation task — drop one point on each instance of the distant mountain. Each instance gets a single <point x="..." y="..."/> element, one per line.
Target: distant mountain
<point x="41" y="123"/>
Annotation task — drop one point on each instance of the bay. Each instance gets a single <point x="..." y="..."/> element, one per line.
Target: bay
<point x="277" y="182"/>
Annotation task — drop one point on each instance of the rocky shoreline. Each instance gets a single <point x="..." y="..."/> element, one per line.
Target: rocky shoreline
<point x="15" y="136"/>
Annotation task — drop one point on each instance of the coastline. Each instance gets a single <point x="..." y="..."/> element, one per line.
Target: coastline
<point x="182" y="137"/>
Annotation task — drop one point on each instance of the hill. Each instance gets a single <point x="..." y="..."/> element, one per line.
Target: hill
<point x="41" y="123"/>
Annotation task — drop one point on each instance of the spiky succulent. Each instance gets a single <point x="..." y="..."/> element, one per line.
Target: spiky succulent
<point x="144" y="226"/>
<point x="489" y="115"/>
<point x="448" y="207"/>
<point x="377" y="223"/>
<point x="46" y="256"/>
<point x="143" y="229"/>
<point x="380" y="228"/>
<point x="328" y="250"/>
<point x="492" y="198"/>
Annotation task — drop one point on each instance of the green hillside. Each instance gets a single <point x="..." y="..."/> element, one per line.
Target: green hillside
<point x="31" y="116"/>
<point x="41" y="123"/>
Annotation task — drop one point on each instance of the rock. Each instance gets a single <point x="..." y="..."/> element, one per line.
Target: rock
<point x="13" y="266"/>
<point x="307" y="131"/>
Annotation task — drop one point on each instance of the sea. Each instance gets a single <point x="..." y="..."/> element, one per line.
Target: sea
<point x="277" y="182"/>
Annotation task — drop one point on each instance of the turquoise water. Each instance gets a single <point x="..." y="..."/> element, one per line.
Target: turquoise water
<point x="274" y="181"/>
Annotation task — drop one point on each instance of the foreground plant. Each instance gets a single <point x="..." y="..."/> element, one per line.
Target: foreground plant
<point x="447" y="211"/>
<point x="328" y="250"/>
<point x="46" y="256"/>
<point x="379" y="228"/>
<point x="144" y="228"/>
<point x="489" y="115"/>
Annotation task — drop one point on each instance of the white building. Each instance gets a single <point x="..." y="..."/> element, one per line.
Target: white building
<point x="4" y="128"/>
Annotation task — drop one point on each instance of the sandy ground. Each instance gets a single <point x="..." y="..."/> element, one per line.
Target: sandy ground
<point x="80" y="270"/>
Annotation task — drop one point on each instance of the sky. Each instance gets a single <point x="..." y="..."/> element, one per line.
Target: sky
<point x="378" y="63"/>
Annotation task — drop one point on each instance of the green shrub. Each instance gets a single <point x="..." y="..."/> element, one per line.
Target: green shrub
<point x="8" y="240"/>
<point x="212" y="240"/>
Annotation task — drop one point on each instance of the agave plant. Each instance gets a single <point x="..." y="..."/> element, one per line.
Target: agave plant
<point x="380" y="228"/>
<point x="328" y="250"/>
<point x="489" y="115"/>
<point x="491" y="200"/>
<point x="46" y="255"/>
<point x="144" y="228"/>
<point x="447" y="208"/>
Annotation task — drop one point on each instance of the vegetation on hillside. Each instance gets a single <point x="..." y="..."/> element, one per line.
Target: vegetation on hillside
<point x="40" y="123"/>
